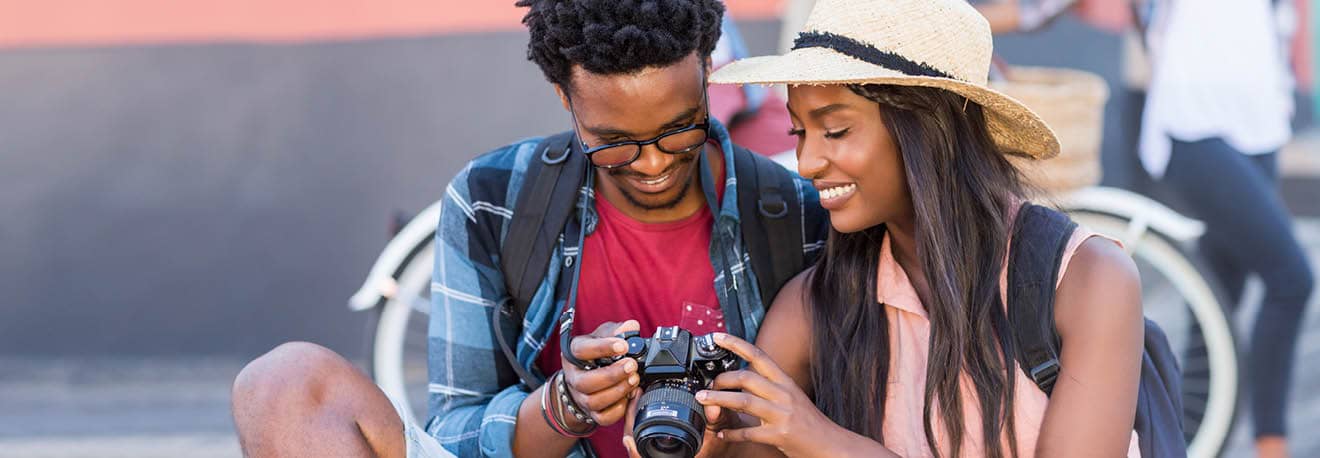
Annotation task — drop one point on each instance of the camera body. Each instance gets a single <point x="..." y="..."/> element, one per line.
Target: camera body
<point x="673" y="365"/>
<point x="674" y="355"/>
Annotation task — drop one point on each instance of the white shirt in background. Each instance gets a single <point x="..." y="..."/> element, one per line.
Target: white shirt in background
<point x="1217" y="70"/>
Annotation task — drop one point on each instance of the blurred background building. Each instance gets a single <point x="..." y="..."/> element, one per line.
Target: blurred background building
<point x="183" y="185"/>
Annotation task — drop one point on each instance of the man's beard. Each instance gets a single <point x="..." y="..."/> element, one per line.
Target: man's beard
<point x="685" y="187"/>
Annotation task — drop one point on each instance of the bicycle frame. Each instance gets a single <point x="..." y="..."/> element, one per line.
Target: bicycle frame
<point x="1143" y="212"/>
<point x="382" y="280"/>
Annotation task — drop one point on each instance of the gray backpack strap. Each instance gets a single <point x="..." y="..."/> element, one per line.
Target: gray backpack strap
<point x="1039" y="237"/>
<point x="771" y="222"/>
<point x="544" y="204"/>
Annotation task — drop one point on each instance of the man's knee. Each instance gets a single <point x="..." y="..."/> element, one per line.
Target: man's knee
<point x="293" y="376"/>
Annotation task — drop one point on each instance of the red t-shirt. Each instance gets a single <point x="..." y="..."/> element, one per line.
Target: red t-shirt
<point x="658" y="274"/>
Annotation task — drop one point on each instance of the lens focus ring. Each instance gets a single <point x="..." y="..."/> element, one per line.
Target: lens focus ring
<point x="670" y="394"/>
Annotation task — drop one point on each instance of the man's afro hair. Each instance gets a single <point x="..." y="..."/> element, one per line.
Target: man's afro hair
<point x="612" y="37"/>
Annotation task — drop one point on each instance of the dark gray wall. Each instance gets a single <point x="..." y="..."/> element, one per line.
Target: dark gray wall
<point x="219" y="199"/>
<point x="222" y="198"/>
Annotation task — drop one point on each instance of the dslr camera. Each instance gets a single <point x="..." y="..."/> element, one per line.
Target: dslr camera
<point x="673" y="366"/>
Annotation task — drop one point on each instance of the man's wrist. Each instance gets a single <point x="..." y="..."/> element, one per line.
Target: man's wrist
<point x="556" y="402"/>
<point x="570" y="421"/>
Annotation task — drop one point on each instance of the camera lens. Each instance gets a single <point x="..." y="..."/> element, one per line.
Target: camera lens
<point x="670" y="423"/>
<point x="666" y="444"/>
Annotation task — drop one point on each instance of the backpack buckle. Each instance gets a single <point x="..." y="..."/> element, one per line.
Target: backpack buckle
<point x="771" y="204"/>
<point x="552" y="160"/>
<point x="1045" y="374"/>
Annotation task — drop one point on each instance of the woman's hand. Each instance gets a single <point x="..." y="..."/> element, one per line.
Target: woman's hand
<point x="789" y="419"/>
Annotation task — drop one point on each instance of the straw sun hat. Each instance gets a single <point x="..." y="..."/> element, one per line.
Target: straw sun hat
<point x="944" y="44"/>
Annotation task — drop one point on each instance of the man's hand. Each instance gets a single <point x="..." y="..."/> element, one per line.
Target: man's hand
<point x="603" y="392"/>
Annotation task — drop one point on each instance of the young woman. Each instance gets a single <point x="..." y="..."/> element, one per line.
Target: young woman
<point x="890" y="346"/>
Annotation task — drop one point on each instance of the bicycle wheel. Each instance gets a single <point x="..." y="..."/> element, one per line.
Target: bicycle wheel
<point x="398" y="353"/>
<point x="1188" y="306"/>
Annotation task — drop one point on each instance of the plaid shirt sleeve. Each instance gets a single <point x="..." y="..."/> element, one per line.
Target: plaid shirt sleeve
<point x="815" y="222"/>
<point x="473" y="403"/>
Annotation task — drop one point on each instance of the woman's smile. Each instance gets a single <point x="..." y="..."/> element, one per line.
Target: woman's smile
<point x="834" y="195"/>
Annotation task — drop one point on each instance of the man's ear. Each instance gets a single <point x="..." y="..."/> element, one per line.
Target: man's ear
<point x="563" y="96"/>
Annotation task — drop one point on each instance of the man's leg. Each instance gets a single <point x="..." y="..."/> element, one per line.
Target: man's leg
<point x="302" y="399"/>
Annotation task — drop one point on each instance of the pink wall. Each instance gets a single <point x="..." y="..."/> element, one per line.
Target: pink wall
<point x="80" y="22"/>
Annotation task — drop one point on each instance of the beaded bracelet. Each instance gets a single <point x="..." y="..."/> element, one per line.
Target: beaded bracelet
<point x="555" y="417"/>
<point x="566" y="400"/>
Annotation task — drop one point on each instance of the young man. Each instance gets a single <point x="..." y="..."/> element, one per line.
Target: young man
<point x="663" y="245"/>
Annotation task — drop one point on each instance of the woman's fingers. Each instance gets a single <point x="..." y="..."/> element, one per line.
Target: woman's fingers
<point x="630" y="411"/>
<point x="750" y="382"/>
<point x="742" y="402"/>
<point x="715" y="418"/>
<point x="631" y="445"/>
<point x="759" y="361"/>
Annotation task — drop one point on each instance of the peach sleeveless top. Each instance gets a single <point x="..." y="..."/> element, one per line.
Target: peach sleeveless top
<point x="909" y="334"/>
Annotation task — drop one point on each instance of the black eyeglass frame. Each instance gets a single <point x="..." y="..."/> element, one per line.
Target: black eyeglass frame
<point x="704" y="125"/>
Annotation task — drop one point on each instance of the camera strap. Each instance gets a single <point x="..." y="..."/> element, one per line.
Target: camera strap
<point x="566" y="316"/>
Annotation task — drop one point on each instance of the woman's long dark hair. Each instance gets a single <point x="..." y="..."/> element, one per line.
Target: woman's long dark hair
<point x="961" y="187"/>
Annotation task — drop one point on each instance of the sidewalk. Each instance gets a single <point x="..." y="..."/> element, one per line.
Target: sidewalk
<point x="141" y="408"/>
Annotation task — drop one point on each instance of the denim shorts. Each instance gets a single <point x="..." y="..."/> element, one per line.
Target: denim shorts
<point x="420" y="444"/>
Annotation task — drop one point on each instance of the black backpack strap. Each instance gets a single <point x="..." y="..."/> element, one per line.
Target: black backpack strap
<point x="1040" y="236"/>
<point x="771" y="216"/>
<point x="545" y="202"/>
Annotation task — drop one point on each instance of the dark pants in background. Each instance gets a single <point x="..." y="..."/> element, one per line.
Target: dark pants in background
<point x="1249" y="230"/>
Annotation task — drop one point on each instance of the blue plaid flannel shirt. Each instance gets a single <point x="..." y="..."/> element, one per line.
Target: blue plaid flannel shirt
<point x="473" y="403"/>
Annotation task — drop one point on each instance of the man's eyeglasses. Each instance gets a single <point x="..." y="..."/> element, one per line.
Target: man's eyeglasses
<point x="676" y="141"/>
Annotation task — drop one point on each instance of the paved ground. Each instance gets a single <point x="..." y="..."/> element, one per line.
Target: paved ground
<point x="116" y="408"/>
